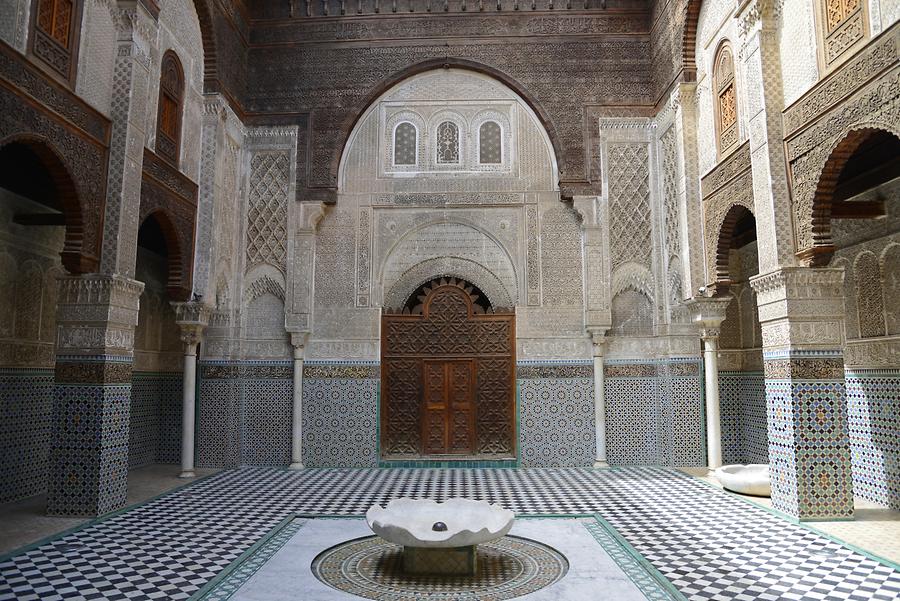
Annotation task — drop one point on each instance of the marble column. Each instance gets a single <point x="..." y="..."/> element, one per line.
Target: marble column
<point x="801" y="311"/>
<point x="96" y="317"/>
<point x="598" y="339"/>
<point x="708" y="314"/>
<point x="298" y="341"/>
<point x="192" y="318"/>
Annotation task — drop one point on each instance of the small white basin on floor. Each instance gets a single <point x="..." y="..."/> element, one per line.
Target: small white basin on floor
<point x="750" y="479"/>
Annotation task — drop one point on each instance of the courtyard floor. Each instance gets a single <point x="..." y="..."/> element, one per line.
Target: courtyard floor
<point x="709" y="544"/>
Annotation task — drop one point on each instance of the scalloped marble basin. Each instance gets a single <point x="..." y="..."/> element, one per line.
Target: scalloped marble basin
<point x="750" y="479"/>
<point x="410" y="522"/>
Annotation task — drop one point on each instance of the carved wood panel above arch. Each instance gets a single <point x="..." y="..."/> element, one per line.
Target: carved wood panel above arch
<point x="171" y="198"/>
<point x="70" y="138"/>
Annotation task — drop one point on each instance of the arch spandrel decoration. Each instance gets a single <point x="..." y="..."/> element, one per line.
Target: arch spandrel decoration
<point x="448" y="378"/>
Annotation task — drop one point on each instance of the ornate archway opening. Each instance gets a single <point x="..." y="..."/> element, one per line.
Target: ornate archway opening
<point x="34" y="171"/>
<point x="743" y="414"/>
<point x="738" y="229"/>
<point x="448" y="376"/>
<point x="159" y="236"/>
<point x="864" y="159"/>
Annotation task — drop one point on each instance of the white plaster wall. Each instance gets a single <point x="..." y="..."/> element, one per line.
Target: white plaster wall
<point x="96" y="55"/>
<point x="14" y="16"/>
<point x="883" y="14"/>
<point x="799" y="62"/>
<point x="716" y="23"/>
<point x="179" y="31"/>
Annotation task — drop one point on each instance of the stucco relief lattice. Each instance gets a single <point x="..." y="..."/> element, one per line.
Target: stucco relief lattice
<point x="267" y="210"/>
<point x="629" y="191"/>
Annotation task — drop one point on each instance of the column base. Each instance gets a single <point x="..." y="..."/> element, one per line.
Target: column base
<point x="187" y="474"/>
<point x="297" y="465"/>
<point x="600" y="463"/>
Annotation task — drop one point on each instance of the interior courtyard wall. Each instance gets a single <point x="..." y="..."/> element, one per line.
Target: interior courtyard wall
<point x="96" y="54"/>
<point x="652" y="367"/>
<point x="869" y="252"/>
<point x="14" y="19"/>
<point x="154" y="433"/>
<point x="29" y="265"/>
<point x="717" y="24"/>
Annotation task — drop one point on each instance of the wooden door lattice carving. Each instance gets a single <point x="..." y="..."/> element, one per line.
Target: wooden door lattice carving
<point x="448" y="376"/>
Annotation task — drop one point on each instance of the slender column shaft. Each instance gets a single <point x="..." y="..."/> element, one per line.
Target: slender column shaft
<point x="297" y="424"/>
<point x="188" y="406"/>
<point x="599" y="412"/>
<point x="713" y="427"/>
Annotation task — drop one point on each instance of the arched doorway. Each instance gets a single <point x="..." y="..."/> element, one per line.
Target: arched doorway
<point x="448" y="375"/>
<point x="741" y="383"/>
<point x="155" y="413"/>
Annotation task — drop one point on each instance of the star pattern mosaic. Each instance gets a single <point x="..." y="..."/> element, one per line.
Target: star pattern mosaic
<point x="709" y="544"/>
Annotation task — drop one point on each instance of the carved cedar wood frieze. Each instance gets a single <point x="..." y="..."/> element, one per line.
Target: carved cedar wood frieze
<point x="38" y="111"/>
<point x="334" y="83"/>
<point x="837" y="106"/>
<point x="170" y="196"/>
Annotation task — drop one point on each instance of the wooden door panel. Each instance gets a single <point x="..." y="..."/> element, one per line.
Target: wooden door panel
<point x="448" y="377"/>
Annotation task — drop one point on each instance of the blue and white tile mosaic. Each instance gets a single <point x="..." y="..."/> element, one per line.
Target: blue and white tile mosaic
<point x="654" y="412"/>
<point x="873" y="408"/>
<point x="742" y="402"/>
<point x="266" y="417"/>
<point x="340" y="415"/>
<point x="556" y="416"/>
<point x="26" y="397"/>
<point x="155" y="428"/>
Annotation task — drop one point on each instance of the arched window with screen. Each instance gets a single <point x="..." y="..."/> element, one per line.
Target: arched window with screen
<point x="447" y="143"/>
<point x="405" y="144"/>
<point x="725" y="95"/>
<point x="490" y="143"/>
<point x="171" y="98"/>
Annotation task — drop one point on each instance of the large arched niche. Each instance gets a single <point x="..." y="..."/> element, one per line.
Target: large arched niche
<point x="448" y="249"/>
<point x="366" y="162"/>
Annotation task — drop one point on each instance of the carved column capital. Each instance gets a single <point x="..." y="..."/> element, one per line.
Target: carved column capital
<point x="598" y="340"/>
<point x="586" y="207"/>
<point x="299" y="341"/>
<point x="708" y="313"/>
<point x="311" y="213"/>
<point x="756" y="15"/>
<point x="192" y="318"/>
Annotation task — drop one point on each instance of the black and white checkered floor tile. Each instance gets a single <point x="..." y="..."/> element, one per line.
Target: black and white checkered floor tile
<point x="709" y="544"/>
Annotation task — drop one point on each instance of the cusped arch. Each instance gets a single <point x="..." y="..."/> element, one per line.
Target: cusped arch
<point x="178" y="285"/>
<point x="361" y="109"/>
<point x="726" y="229"/>
<point x="398" y="293"/>
<point x="77" y="256"/>
<point x="211" y="82"/>
<point x="815" y="223"/>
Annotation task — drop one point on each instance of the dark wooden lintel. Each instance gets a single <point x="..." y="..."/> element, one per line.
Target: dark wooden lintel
<point x="869" y="209"/>
<point x="39" y="219"/>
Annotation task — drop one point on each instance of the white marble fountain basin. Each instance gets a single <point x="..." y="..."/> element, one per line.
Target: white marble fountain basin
<point x="409" y="522"/>
<point x="750" y="479"/>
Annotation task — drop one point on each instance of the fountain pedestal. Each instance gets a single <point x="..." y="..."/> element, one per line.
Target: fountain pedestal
<point x="449" y="561"/>
<point x="440" y="538"/>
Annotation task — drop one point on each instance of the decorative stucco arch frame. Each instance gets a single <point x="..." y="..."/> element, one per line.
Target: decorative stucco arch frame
<point x="362" y="107"/>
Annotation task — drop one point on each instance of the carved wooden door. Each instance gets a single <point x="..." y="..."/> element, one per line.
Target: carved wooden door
<point x="448" y="377"/>
<point x="448" y="425"/>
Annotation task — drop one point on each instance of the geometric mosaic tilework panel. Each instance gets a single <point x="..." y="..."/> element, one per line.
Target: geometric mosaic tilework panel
<point x="809" y="454"/>
<point x="681" y="388"/>
<point x="340" y="419"/>
<point x="89" y="451"/>
<point x="218" y="417"/>
<point x="707" y="543"/>
<point x="654" y="413"/>
<point x="556" y="424"/>
<point x="26" y="407"/>
<point x="155" y="428"/>
<point x="873" y="412"/>
<point x="266" y="413"/>
<point x="742" y="403"/>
